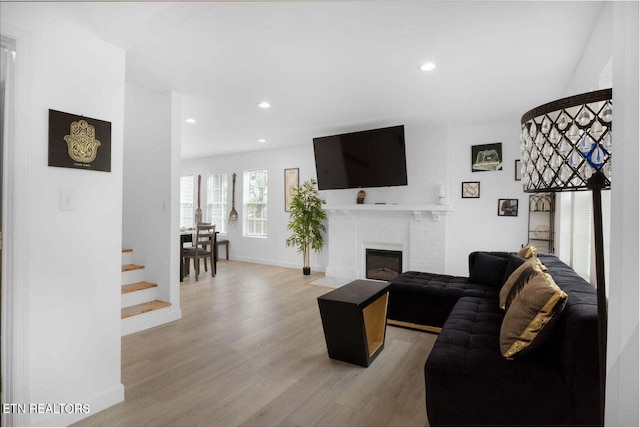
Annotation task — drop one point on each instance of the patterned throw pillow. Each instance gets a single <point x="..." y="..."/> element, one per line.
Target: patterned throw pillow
<point x="535" y="306"/>
<point x="518" y="276"/>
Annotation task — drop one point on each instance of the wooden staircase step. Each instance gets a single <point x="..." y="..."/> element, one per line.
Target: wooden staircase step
<point x="127" y="250"/>
<point x="127" y="268"/>
<point x="143" y="307"/>
<point x="137" y="286"/>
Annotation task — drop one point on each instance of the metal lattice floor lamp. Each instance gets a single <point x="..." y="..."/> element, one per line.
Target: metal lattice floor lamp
<point x="566" y="145"/>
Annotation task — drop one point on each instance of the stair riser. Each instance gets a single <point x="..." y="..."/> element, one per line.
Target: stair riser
<point x="132" y="276"/>
<point x="129" y="302"/>
<point x="141" y="296"/>
<point x="127" y="257"/>
<point x="149" y="319"/>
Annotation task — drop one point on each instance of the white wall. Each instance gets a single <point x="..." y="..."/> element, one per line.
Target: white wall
<point x="595" y="57"/>
<point x="436" y="155"/>
<point x="271" y="250"/>
<point x="622" y="351"/>
<point x="427" y="152"/>
<point x="146" y="192"/>
<point x="174" y="222"/>
<point x="149" y="175"/>
<point x="426" y="169"/>
<point x="474" y="224"/>
<point x="63" y="343"/>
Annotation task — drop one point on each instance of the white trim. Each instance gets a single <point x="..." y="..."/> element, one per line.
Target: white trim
<point x="291" y="265"/>
<point x="18" y="164"/>
<point x="417" y="210"/>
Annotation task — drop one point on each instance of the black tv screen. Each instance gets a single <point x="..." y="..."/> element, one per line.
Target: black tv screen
<point x="373" y="158"/>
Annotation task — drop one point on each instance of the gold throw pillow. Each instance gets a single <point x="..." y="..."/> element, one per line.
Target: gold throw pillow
<point x="527" y="252"/>
<point x="531" y="316"/>
<point x="518" y="276"/>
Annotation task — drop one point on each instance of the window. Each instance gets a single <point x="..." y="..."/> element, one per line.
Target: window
<point x="216" y="212"/>
<point x="582" y="233"/>
<point x="255" y="203"/>
<point x="186" y="202"/>
<point x="576" y="223"/>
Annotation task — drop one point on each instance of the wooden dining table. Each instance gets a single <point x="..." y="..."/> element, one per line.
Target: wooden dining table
<point x="187" y="236"/>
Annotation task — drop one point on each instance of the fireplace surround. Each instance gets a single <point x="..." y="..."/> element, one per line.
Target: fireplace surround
<point x="417" y="230"/>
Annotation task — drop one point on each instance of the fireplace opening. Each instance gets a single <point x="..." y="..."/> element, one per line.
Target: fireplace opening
<point x="383" y="264"/>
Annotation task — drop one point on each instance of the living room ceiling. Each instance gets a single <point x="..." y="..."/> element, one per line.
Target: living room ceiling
<point x="331" y="67"/>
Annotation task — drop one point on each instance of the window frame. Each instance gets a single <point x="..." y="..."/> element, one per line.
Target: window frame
<point x="248" y="230"/>
<point x="185" y="205"/>
<point x="223" y="196"/>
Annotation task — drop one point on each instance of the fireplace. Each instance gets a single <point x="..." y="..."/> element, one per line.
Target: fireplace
<point x="383" y="264"/>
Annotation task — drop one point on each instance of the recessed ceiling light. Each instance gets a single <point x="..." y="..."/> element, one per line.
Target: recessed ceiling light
<point x="427" y="66"/>
<point x="190" y="120"/>
<point x="262" y="140"/>
<point x="264" y="104"/>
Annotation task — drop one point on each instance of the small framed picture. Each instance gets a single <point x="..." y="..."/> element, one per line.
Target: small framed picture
<point x="486" y="157"/>
<point x="508" y="207"/>
<point x="470" y="189"/>
<point x="518" y="170"/>
<point x="291" y="180"/>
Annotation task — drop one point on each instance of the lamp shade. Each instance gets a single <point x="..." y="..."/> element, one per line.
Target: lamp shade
<point x="566" y="143"/>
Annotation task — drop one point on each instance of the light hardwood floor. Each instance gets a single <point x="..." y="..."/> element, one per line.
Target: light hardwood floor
<point x="250" y="351"/>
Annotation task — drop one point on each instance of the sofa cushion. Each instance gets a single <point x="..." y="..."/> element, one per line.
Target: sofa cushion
<point x="474" y="255"/>
<point x="518" y="276"/>
<point x="488" y="270"/>
<point x="427" y="298"/>
<point x="534" y="305"/>
<point x="468" y="381"/>
<point x="575" y="337"/>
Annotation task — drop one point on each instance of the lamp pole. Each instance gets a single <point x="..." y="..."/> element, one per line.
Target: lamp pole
<point x="596" y="183"/>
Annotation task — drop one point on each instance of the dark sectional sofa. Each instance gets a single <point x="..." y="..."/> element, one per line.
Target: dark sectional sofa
<point x="468" y="381"/>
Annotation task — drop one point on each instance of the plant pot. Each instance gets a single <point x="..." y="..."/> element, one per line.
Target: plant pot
<point x="306" y="271"/>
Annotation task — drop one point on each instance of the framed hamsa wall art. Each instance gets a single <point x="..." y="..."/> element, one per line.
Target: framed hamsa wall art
<point x="79" y="142"/>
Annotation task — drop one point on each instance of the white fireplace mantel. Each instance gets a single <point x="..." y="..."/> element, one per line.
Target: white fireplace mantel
<point x="417" y="210"/>
<point x="417" y="230"/>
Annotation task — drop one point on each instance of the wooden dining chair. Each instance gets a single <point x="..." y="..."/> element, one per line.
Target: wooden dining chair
<point x="206" y="246"/>
<point x="203" y="248"/>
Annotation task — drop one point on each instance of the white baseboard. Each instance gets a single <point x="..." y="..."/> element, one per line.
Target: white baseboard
<point x="96" y="403"/>
<point x="277" y="263"/>
<point x="150" y="319"/>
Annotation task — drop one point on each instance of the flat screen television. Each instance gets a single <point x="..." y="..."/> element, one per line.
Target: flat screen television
<point x="372" y="158"/>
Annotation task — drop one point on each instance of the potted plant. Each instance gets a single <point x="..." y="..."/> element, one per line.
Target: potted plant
<point x="306" y="221"/>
